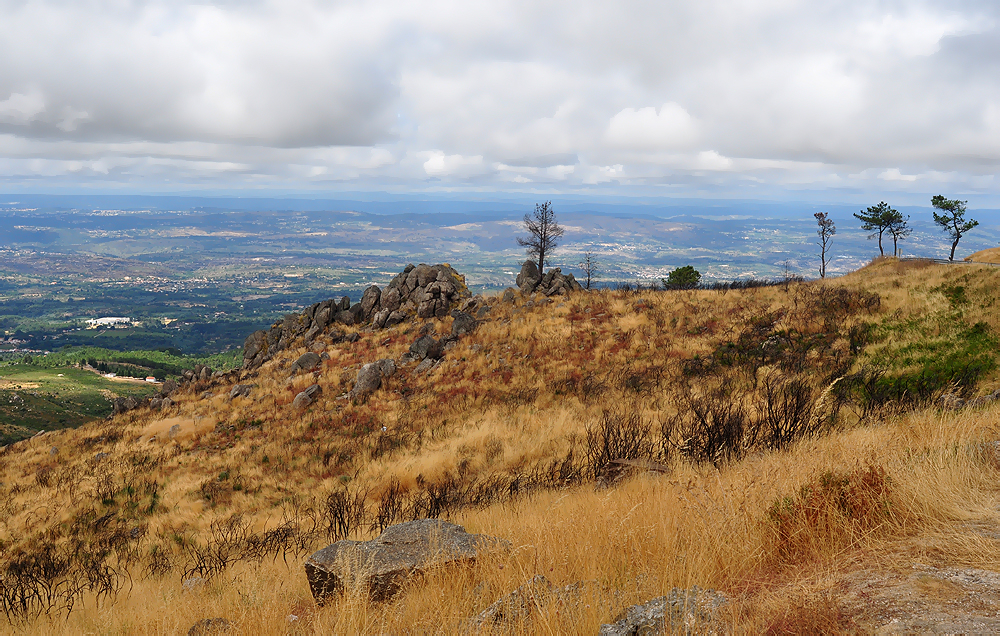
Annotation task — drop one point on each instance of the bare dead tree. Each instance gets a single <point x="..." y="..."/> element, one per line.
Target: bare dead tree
<point x="826" y="230"/>
<point x="543" y="233"/>
<point x="589" y="266"/>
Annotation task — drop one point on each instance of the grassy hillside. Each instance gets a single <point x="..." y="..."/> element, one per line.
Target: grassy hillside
<point x="57" y="390"/>
<point x="795" y="429"/>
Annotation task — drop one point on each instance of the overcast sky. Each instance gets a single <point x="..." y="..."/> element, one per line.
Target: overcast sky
<point x="714" y="97"/>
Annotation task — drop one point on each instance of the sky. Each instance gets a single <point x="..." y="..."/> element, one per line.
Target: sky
<point x="745" y="99"/>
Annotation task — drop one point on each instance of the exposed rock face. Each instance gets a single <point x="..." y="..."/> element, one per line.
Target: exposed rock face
<point x="124" y="404"/>
<point x="383" y="564"/>
<point x="425" y="291"/>
<point x="307" y="396"/>
<point x="370" y="377"/>
<point x="688" y="610"/>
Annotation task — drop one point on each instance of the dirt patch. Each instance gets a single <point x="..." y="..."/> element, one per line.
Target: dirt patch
<point x="8" y="384"/>
<point x="187" y="428"/>
<point x="925" y="600"/>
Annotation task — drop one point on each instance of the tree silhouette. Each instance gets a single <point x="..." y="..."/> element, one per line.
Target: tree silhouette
<point x="826" y="230"/>
<point x="899" y="228"/>
<point x="589" y="266"/>
<point x="952" y="219"/>
<point x="543" y="232"/>
<point x="877" y="219"/>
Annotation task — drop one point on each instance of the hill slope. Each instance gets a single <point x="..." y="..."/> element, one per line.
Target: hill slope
<point x="794" y="435"/>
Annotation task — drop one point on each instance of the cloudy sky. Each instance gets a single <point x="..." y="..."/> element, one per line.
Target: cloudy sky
<point x="716" y="97"/>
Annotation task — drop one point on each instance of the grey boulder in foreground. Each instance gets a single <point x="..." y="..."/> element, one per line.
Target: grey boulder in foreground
<point x="384" y="564"/>
<point x="686" y="611"/>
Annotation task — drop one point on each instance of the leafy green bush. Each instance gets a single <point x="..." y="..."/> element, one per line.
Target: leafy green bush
<point x="686" y="277"/>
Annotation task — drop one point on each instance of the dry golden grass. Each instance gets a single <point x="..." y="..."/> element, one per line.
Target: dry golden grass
<point x="508" y="398"/>
<point x="989" y="255"/>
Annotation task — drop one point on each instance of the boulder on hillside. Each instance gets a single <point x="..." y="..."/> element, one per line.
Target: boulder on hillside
<point x="382" y="565"/>
<point x="240" y="390"/>
<point x="306" y="362"/>
<point x="370" y="377"/>
<point x="425" y="291"/>
<point x="553" y="282"/>
<point x="426" y="347"/>
<point x="307" y="396"/>
<point x="463" y="323"/>
<point x="534" y="597"/>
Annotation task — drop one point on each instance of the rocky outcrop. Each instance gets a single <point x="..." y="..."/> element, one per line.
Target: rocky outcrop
<point x="424" y="291"/>
<point x="681" y="611"/>
<point x="463" y="323"/>
<point x="382" y="565"/>
<point x="552" y="283"/>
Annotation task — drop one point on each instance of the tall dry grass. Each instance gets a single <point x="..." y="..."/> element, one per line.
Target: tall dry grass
<point x="520" y="393"/>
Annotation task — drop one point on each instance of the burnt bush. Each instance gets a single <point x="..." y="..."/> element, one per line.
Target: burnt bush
<point x="711" y="428"/>
<point x="620" y="436"/>
<point x="785" y="409"/>
<point x="343" y="511"/>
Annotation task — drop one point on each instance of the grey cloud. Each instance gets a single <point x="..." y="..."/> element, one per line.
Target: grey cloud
<point x="723" y="93"/>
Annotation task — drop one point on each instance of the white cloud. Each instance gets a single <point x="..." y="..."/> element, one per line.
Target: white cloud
<point x="711" y="160"/>
<point x="439" y="164"/>
<point x="669" y="129"/>
<point x="893" y="174"/>
<point x="21" y="109"/>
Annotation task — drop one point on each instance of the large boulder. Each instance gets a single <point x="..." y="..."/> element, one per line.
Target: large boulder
<point x="240" y="390"/>
<point x="369" y="301"/>
<point x="528" y="277"/>
<point x="370" y="377"/>
<point x="382" y="565"/>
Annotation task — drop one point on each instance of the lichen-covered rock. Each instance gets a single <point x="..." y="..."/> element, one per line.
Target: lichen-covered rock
<point x="382" y="565"/>
<point x="681" y="611"/>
